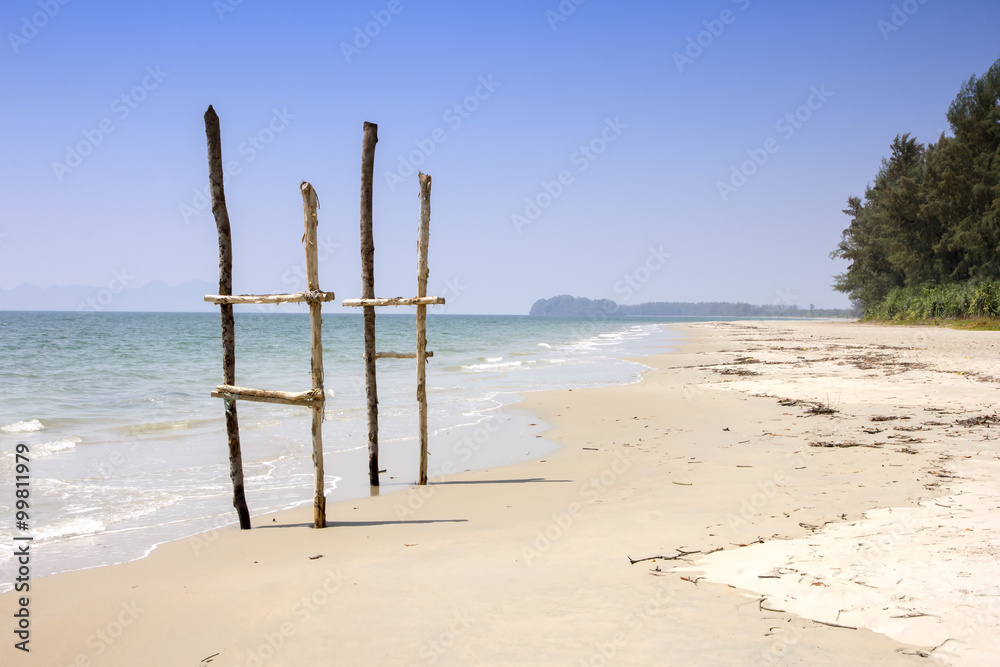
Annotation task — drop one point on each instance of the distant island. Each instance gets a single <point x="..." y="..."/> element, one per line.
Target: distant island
<point x="571" y="306"/>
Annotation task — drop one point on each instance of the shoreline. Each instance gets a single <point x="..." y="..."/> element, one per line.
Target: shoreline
<point x="277" y="458"/>
<point x="502" y="565"/>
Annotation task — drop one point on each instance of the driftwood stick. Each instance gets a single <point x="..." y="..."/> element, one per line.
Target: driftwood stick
<point x="213" y="134"/>
<point x="423" y="239"/>
<point x="395" y="301"/>
<point x="307" y="398"/>
<point x="401" y="355"/>
<point x="759" y="540"/>
<point x="760" y="605"/>
<point x="310" y="206"/>
<point x="680" y="554"/>
<point x="834" y="625"/>
<point x="368" y="292"/>
<point x="298" y="297"/>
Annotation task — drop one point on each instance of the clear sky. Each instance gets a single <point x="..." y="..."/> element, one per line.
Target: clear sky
<point x="639" y="151"/>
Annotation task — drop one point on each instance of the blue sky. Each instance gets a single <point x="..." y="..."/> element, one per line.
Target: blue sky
<point x="585" y="155"/>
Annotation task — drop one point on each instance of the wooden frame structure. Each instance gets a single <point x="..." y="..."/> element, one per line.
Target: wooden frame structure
<point x="369" y="302"/>
<point x="314" y="398"/>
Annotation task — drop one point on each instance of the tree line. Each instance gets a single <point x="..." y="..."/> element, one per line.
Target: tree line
<point x="570" y="306"/>
<point x="931" y="219"/>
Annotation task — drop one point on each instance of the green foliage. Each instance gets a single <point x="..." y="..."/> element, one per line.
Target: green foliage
<point x="949" y="300"/>
<point x="932" y="214"/>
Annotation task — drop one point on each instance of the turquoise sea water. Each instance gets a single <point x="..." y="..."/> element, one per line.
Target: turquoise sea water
<point x="128" y="449"/>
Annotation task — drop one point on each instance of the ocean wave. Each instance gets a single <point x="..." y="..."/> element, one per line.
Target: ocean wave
<point x="54" y="447"/>
<point x="26" y="426"/>
<point x="261" y="476"/>
<point x="157" y="427"/>
<point x="606" y="339"/>
<point x="88" y="509"/>
<point x="492" y="366"/>
<point x="337" y="450"/>
<point x="70" y="528"/>
<point x="269" y="423"/>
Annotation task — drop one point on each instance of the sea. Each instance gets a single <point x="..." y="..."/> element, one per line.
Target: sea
<point x="128" y="450"/>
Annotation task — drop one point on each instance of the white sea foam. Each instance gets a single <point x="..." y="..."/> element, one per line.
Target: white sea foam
<point x="70" y="528"/>
<point x="260" y="425"/>
<point x="87" y="509"/>
<point x="54" y="447"/>
<point x="493" y="366"/>
<point x="26" y="426"/>
<point x="262" y="476"/>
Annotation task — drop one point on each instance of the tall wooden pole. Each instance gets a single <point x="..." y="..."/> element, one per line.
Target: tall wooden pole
<point x="310" y="206"/>
<point x="228" y="325"/>
<point x="423" y="239"/>
<point x="368" y="292"/>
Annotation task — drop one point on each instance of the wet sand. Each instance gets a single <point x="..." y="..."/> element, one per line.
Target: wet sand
<point x="533" y="563"/>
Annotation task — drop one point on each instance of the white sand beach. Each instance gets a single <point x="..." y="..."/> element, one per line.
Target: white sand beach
<point x="878" y="547"/>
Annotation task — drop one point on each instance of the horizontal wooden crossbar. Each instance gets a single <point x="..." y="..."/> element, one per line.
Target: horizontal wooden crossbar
<point x="395" y="301"/>
<point x="315" y="296"/>
<point x="397" y="355"/>
<point x="309" y="398"/>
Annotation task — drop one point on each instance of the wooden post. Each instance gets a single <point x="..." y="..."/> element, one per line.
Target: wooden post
<point x="310" y="206"/>
<point x="228" y="324"/>
<point x="368" y="292"/>
<point x="423" y="240"/>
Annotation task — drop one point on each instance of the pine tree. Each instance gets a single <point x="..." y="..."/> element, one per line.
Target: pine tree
<point x="932" y="214"/>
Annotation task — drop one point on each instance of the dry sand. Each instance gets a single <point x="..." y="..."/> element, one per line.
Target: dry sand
<point x="530" y="564"/>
